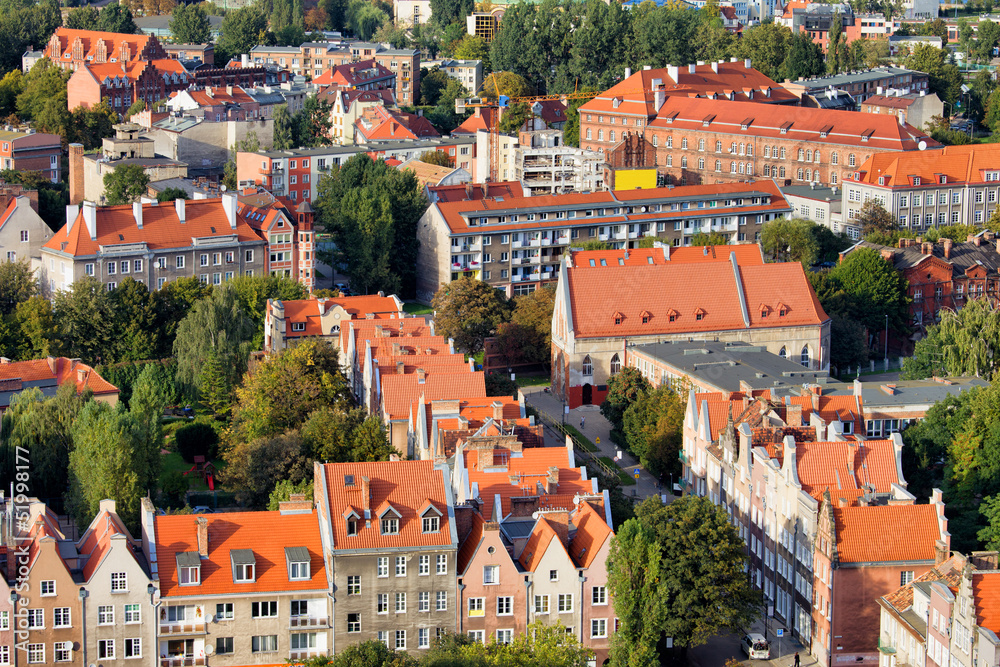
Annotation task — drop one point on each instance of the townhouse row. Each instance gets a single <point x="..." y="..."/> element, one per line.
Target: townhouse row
<point x="400" y="552"/>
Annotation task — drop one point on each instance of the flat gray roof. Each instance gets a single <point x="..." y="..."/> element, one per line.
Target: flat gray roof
<point x="916" y="392"/>
<point x="855" y="77"/>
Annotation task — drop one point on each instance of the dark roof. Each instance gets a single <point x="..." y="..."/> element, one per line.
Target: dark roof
<point x="297" y="554"/>
<point x="304" y="207"/>
<point x="963" y="257"/>
<point x="188" y="559"/>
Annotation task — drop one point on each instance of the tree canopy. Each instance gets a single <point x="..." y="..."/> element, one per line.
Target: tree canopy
<point x="189" y="24"/>
<point x="469" y="311"/>
<point x="125" y="184"/>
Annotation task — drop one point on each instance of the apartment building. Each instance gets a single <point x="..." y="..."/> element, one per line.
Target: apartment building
<point x="714" y="140"/>
<point x="289" y="322"/>
<point x="230" y="590"/>
<point x="282" y="172"/>
<point x="467" y="72"/>
<point x="154" y="244"/>
<point x="689" y="293"/>
<point x="944" y="274"/>
<point x="824" y="206"/>
<point x="348" y="106"/>
<point x="916" y="109"/>
<point x="546" y="166"/>
<point x="863" y="84"/>
<point x="290" y="236"/>
<point x="22" y="231"/>
<point x="27" y="150"/>
<point x="388" y="532"/>
<point x="956" y="185"/>
<point x="312" y="59"/>
<point x="632" y="104"/>
<point x="515" y="242"/>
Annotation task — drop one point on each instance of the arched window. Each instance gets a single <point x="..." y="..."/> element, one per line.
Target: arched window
<point x="589" y="135"/>
<point x="656" y="140"/>
<point x="600" y="135"/>
<point x="809" y="175"/>
<point x="588" y="365"/>
<point x="767" y="151"/>
<point x="816" y="157"/>
<point x="616" y="364"/>
<point x="718" y="146"/>
<point x="684" y="143"/>
<point x="809" y="156"/>
<point x="834" y="158"/>
<point x="852" y="161"/>
<point x="800" y="155"/>
<point x="742" y="168"/>
<point x="798" y="174"/>
<point x="718" y="165"/>
<point x="781" y="172"/>
<point x="684" y="162"/>
<point x="804" y="357"/>
<point x="782" y="153"/>
<point x="781" y="354"/>
<point x="670" y="141"/>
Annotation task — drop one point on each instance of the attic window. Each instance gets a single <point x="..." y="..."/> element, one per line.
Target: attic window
<point x="188" y="568"/>
<point x="297" y="559"/>
<point x="699" y="314"/>
<point x="244" y="565"/>
<point x="121" y="237"/>
<point x="649" y="260"/>
<point x="604" y="262"/>
<point x="916" y="180"/>
<point x="298" y="326"/>
<point x="881" y="180"/>
<point x="352" y="527"/>
<point x="944" y="179"/>
<point x="390" y="525"/>
<point x="619" y="318"/>
<point x="213" y="229"/>
<point x="621" y="262"/>
<point x="348" y="480"/>
<point x="782" y="311"/>
<point x="592" y="263"/>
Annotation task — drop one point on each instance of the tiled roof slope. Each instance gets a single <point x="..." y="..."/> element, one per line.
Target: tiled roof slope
<point x="311" y="310"/>
<point x="846" y="469"/>
<point x="816" y="126"/>
<point x="964" y="255"/>
<point x="471" y="544"/>
<point x="886" y="533"/>
<point x="950" y="572"/>
<point x="469" y="191"/>
<point x="591" y="533"/>
<point x="986" y="592"/>
<point x="406" y="486"/>
<point x="90" y="40"/>
<point x="59" y="369"/>
<point x="746" y="254"/>
<point x="700" y="298"/>
<point x="161" y="227"/>
<point x="398" y="391"/>
<point x="542" y="536"/>
<point x="960" y="164"/>
<point x="97" y="540"/>
<point x="265" y="533"/>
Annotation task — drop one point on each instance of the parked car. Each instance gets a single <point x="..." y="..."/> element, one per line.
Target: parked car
<point x="756" y="647"/>
<point x="202" y="509"/>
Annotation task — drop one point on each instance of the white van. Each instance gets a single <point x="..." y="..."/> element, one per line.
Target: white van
<point x="756" y="647"/>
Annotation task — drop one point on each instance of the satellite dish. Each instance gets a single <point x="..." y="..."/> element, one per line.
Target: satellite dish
<point x="211" y="618"/>
<point x="222" y="187"/>
<point x="922" y="145"/>
<point x="209" y="649"/>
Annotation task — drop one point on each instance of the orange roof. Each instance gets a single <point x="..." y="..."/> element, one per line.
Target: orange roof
<point x="409" y="487"/>
<point x="209" y="97"/>
<point x="746" y="254"/>
<point x="591" y="533"/>
<point x="493" y="474"/>
<point x="542" y="536"/>
<point x="698" y="297"/>
<point x="864" y="131"/>
<point x="17" y="375"/>
<point x="958" y="164"/>
<point x="310" y="311"/>
<point x="986" y="593"/>
<point x="232" y="531"/>
<point x="399" y="391"/>
<point x="381" y="124"/>
<point x="846" y="469"/>
<point x="452" y="193"/>
<point x="889" y="102"/>
<point x="467" y="551"/>
<point x="161" y="228"/>
<point x="90" y="40"/>
<point x="97" y="540"/>
<point x="635" y="95"/>
<point x="886" y="533"/>
<point x="363" y="72"/>
<point x="479" y="120"/>
<point x="427" y="174"/>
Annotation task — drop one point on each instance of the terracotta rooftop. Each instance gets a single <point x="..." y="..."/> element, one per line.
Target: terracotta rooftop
<point x="957" y="164"/>
<point x="886" y="533"/>
<point x="986" y="593"/>
<point x="592" y="531"/>
<point x="16" y="375"/>
<point x="97" y="540"/>
<point x="846" y="469"/>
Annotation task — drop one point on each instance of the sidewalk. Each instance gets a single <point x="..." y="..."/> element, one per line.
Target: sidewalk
<point x="598" y="430"/>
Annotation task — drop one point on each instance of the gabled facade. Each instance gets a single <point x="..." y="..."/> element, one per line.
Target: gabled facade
<point x="47" y="375"/>
<point x="22" y="232"/>
<point x="287" y="322"/>
<point x="27" y="150"/>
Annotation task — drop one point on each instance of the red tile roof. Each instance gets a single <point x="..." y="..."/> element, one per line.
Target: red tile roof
<point x="399" y="391"/>
<point x="232" y="531"/>
<point x="846" y="469"/>
<point x="592" y="531"/>
<point x="467" y="551"/>
<point x="161" y="227"/>
<point x="958" y="164"/>
<point x="352" y="75"/>
<point x="381" y="124"/>
<point x="986" y="593"/>
<point x="59" y="369"/>
<point x="542" y="535"/>
<point x="479" y="120"/>
<point x="310" y="311"/>
<point x="408" y="486"/>
<point x="90" y="40"/>
<point x="97" y="540"/>
<point x="886" y="533"/>
<point x="816" y="126"/>
<point x="889" y="102"/>
<point x="635" y="95"/>
<point x="452" y="193"/>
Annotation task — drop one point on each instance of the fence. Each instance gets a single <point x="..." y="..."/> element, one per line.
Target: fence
<point x="581" y="450"/>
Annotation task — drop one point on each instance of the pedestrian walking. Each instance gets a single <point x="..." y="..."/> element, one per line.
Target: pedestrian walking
<point x="796" y="659"/>
<point x="581" y="421"/>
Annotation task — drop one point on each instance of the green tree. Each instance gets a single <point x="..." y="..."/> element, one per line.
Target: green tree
<point x="624" y="388"/>
<point x="371" y="654"/>
<point x="11" y="86"/>
<point x="172" y="303"/>
<point x="170" y="194"/>
<point x="848" y="343"/>
<point x="36" y="331"/>
<point x="189" y="24"/>
<point x="509" y="84"/>
<point x="790" y="240"/>
<point x="284" y="490"/>
<point x="216" y="392"/>
<point x="804" y="58"/>
<point x="134" y="322"/>
<point x="927" y="442"/>
<point x="879" y="289"/>
<point x="514" y="117"/>
<point x="125" y="184"/>
<point x="472" y="47"/>
<point x="214" y="326"/>
<point x="500" y="384"/>
<point x="636" y="583"/>
<point x="283" y="126"/>
<point x="571" y="130"/>
<point x="712" y="238"/>
<point x="137" y="107"/>
<point x="149" y="396"/>
<point x="239" y="32"/>
<point x="835" y="54"/>
<point x="254" y="467"/>
<point x="439" y="158"/>
<point x="83" y="18"/>
<point x="469" y="311"/>
<point x="17" y="284"/>
<point x="86" y="321"/>
<point x="364" y="18"/>
<point x="116" y="18"/>
<point x="990" y="535"/>
<point x="44" y="98"/>
<point x="653" y="427"/>
<point x="945" y="78"/>
<point x="529" y="331"/>
<point x="966" y="342"/>
<point x="445" y="12"/>
<point x="767" y="45"/>
<point x="432" y="82"/>
<point x="875" y="219"/>
<point x="394" y="34"/>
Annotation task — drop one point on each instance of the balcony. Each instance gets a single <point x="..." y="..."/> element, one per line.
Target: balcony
<point x="633" y="235"/>
<point x="304" y="654"/>
<point x="183" y="628"/>
<point x="181" y="661"/>
<point x="272" y="169"/>
<point x="621" y="236"/>
<point x="546" y="241"/>
<point x="308" y="622"/>
<point x="562" y="239"/>
<point x="604" y="237"/>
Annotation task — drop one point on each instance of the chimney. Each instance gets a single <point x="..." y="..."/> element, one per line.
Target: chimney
<point x="947" y="248"/>
<point x="245" y="60"/>
<point x="296" y="504"/>
<point x="715" y="67"/>
<point x="52" y="364"/>
<point x="179" y="207"/>
<point x="399" y="367"/>
<point x="202" y="536"/>
<point x="673" y="72"/>
<point x="793" y="415"/>
<point x="229" y="206"/>
<point x="137" y="213"/>
<point x="977" y="240"/>
<point x="887" y="254"/>
<point x="76" y="175"/>
<point x="497" y="410"/>
<point x="926" y="248"/>
<point x="90" y="218"/>
<point x="970" y="238"/>
<point x="560" y="523"/>
<point x="998" y="245"/>
<point x="421" y="376"/>
<point x="73" y="210"/>
<point x="659" y="97"/>
<point x="748" y="63"/>
<point x="692" y="68"/>
<point x="107" y="505"/>
<point x="628" y="72"/>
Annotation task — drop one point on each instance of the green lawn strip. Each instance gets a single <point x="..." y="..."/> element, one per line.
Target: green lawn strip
<point x="532" y="380"/>
<point x="624" y="476"/>
<point x="414" y="308"/>
<point x="581" y="439"/>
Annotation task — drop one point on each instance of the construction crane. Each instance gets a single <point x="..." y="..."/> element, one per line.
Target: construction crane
<point x="492" y="120"/>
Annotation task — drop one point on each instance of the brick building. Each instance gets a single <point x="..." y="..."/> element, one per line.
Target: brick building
<point x="289" y="322"/>
<point x="27" y="150"/>
<point x="715" y="141"/>
<point x="360" y="75"/>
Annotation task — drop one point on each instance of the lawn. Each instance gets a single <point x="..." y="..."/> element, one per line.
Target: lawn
<point x="414" y="308"/>
<point x="532" y="380"/>
<point x="625" y="477"/>
<point x="584" y="442"/>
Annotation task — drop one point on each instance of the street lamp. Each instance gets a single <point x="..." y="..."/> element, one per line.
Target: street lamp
<point x="887" y="338"/>
<point x="84" y="594"/>
<point x="13" y="613"/>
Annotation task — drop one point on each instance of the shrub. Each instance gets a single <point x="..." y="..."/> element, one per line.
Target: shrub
<point x="197" y="439"/>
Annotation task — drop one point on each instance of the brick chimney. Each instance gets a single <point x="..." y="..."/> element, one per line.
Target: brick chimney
<point x="552" y="480"/>
<point x="399" y="367"/>
<point x="998" y="245"/>
<point x="463" y="521"/>
<point x="421" y="376"/>
<point x="970" y="238"/>
<point x="793" y="415"/>
<point x="202" y="524"/>
<point x="947" y="248"/>
<point x="75" y="173"/>
<point x="53" y="364"/>
<point x="296" y="504"/>
<point x="887" y="254"/>
<point x="497" y="410"/>
<point x="927" y="248"/>
<point x="560" y="523"/>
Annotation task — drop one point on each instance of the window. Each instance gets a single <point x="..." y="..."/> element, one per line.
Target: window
<point x="248" y="255"/>
<point x="265" y="609"/>
<point x="112" y="268"/>
<point x="390" y="526"/>
<point x="424" y="565"/>
<point x="106" y="649"/>
<point x="264" y="643"/>
<point x="599" y="628"/>
<point x="504" y="636"/>
<point x="61" y="617"/>
<point x="852" y="161"/>
<point x="400" y="640"/>
<point x="553" y="575"/>
<point x="303" y="641"/>
<point x="243" y="572"/>
<point x="36" y="618"/>
<point x="616" y="364"/>
<point x="189" y="575"/>
<point x="179" y="261"/>
<point x="588" y="366"/>
<point x="400" y="566"/>
<point x="400" y="603"/>
<point x="478" y="636"/>
<point x="224" y="611"/>
<point x="423" y="638"/>
<point x="88" y="269"/>
<point x="442" y="564"/>
<point x="424" y="601"/>
<point x="505" y="606"/>
<point x="476" y="607"/>
<point x="905" y="577"/>
<point x="430" y="524"/>
<point x="804" y="356"/>
<point x="441" y="601"/>
<point x="383" y="566"/>
<point x="599" y="595"/>
<point x="4" y="655"/>
<point x="137" y="266"/>
<point x="298" y="571"/>
<point x="133" y="647"/>
<point x="354" y="584"/>
<point x="382" y="603"/>
<point x="491" y="574"/>
<point x="354" y="622"/>
<point x="565" y="603"/>
<point x="541" y="604"/>
<point x="105" y="615"/>
<point x="299" y="608"/>
<point x="36" y="653"/>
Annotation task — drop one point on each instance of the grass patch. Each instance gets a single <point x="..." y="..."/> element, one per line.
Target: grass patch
<point x="533" y="380"/>
<point x="414" y="308"/>
<point x="623" y="476"/>
<point x="585" y="443"/>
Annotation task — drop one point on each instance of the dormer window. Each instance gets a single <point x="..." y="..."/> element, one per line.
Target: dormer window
<point x="430" y="518"/>
<point x="390" y="526"/>
<point x="297" y="559"/>
<point x="298" y="326"/>
<point x="916" y="180"/>
<point x="881" y="180"/>
<point x="619" y="318"/>
<point x="244" y="566"/>
<point x="352" y="527"/>
<point x="189" y="568"/>
<point x="350" y="516"/>
<point x="431" y="524"/>
<point x="646" y="315"/>
<point x="699" y="314"/>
